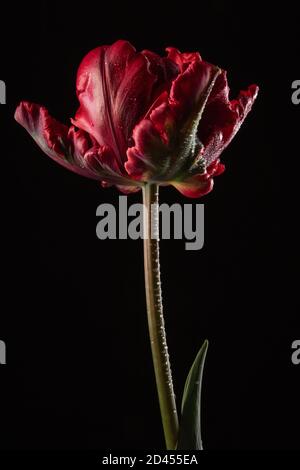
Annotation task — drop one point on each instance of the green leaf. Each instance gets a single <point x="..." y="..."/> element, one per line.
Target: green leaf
<point x="190" y="425"/>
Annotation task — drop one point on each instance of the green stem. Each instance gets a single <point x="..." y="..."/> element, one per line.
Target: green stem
<point x="156" y="322"/>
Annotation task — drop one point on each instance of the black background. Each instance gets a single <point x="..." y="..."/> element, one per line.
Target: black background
<point x="79" y="372"/>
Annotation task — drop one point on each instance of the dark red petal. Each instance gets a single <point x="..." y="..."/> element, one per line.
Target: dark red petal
<point x="73" y="149"/>
<point x="125" y="189"/>
<point x="164" y="140"/>
<point x="114" y="87"/>
<point x="182" y="59"/>
<point x="191" y="89"/>
<point x="145" y="158"/>
<point x="154" y="150"/>
<point x="222" y="118"/>
<point x="216" y="168"/>
<point x="52" y="137"/>
<point x="102" y="162"/>
<point x="164" y="69"/>
<point x="199" y="185"/>
<point x="128" y="189"/>
<point x="194" y="186"/>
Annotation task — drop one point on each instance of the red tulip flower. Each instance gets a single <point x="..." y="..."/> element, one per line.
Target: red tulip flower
<point x="146" y="121"/>
<point x="143" y="118"/>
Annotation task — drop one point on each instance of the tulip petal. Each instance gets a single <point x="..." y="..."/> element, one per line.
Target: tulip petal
<point x="222" y="118"/>
<point x="66" y="148"/>
<point x="164" y="69"/>
<point x="153" y="148"/>
<point x="166" y="141"/>
<point x="201" y="184"/>
<point x="128" y="189"/>
<point x="194" y="186"/>
<point x="189" y="89"/>
<point x="71" y="148"/>
<point x="114" y="87"/>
